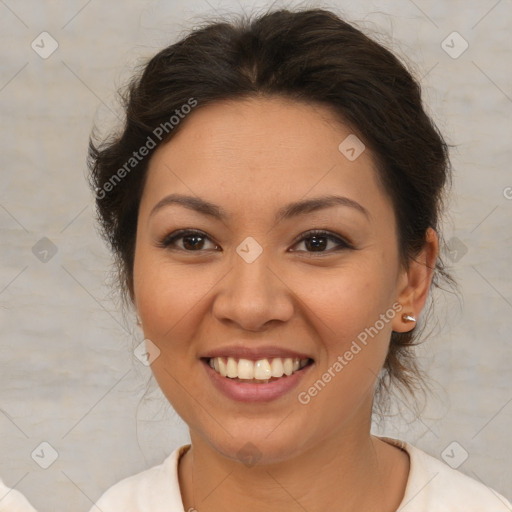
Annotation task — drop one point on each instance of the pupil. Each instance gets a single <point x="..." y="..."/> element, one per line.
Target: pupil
<point x="314" y="242"/>
<point x="193" y="245"/>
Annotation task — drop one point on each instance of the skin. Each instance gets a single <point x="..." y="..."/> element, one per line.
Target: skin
<point x="252" y="157"/>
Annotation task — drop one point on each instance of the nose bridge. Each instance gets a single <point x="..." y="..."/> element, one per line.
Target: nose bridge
<point x="252" y="295"/>
<point x="250" y="267"/>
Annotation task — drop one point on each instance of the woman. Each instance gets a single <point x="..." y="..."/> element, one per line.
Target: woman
<point x="273" y="205"/>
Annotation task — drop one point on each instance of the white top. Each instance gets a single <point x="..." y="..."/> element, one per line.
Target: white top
<point x="12" y="500"/>
<point x="432" y="486"/>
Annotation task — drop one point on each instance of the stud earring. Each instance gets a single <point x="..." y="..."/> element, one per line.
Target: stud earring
<point x="408" y="318"/>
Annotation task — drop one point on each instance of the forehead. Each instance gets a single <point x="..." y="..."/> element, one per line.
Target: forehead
<point x="261" y="150"/>
<point x="273" y="128"/>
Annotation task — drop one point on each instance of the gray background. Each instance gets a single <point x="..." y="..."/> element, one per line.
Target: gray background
<point x="68" y="376"/>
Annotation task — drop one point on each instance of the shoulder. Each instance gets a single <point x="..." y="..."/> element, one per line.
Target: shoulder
<point x="154" y="490"/>
<point x="12" y="500"/>
<point x="433" y="485"/>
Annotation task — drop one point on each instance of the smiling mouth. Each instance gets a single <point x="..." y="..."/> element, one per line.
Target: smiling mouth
<point x="261" y="371"/>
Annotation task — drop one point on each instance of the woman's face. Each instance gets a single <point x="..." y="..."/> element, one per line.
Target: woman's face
<point x="256" y="285"/>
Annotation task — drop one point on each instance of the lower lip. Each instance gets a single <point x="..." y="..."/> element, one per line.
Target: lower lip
<point x="253" y="392"/>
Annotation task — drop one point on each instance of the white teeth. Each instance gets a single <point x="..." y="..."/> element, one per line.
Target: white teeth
<point x="261" y="370"/>
<point x="277" y="367"/>
<point x="288" y="366"/>
<point x="245" y="369"/>
<point x="222" y="366"/>
<point x="232" y="368"/>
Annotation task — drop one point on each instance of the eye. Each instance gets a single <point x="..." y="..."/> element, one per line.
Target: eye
<point x="192" y="240"/>
<point x="318" y="240"/>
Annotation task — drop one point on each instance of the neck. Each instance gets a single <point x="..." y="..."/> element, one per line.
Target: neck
<point x="349" y="471"/>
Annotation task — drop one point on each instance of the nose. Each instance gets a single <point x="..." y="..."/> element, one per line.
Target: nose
<point x="253" y="295"/>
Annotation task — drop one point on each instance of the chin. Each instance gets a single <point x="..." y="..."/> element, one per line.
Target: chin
<point x="257" y="444"/>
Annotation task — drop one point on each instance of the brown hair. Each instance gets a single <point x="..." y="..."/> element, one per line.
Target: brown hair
<point x="310" y="56"/>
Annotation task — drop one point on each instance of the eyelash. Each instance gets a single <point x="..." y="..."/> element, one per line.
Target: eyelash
<point x="170" y="240"/>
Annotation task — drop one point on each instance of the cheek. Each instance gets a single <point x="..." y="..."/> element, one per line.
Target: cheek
<point x="169" y="300"/>
<point x="347" y="300"/>
<point x="156" y="286"/>
<point x="350" y="319"/>
<point x="170" y="297"/>
<point x="353" y="311"/>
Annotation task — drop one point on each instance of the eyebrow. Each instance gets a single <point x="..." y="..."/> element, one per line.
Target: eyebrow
<point x="286" y="212"/>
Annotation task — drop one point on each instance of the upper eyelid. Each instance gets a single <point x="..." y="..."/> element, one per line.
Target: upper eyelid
<point x="182" y="233"/>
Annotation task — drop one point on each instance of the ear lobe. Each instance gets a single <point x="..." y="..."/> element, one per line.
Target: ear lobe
<point x="418" y="278"/>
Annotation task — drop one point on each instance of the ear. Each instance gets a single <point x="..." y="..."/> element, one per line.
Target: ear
<point x="414" y="283"/>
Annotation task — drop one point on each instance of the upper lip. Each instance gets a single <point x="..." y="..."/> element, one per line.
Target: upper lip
<point x="254" y="353"/>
